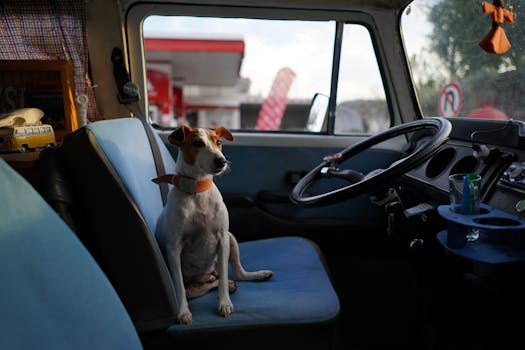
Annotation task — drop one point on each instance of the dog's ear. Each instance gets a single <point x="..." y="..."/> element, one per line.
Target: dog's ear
<point x="224" y="133"/>
<point x="177" y="137"/>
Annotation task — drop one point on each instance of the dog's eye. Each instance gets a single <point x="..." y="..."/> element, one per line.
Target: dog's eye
<point x="219" y="142"/>
<point x="197" y="143"/>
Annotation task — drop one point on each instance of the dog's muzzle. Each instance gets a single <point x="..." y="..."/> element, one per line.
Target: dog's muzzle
<point x="220" y="164"/>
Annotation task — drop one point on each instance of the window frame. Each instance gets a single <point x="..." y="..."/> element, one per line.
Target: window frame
<point x="135" y="41"/>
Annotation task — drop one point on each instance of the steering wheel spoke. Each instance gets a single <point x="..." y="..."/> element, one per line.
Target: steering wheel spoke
<point x="352" y="176"/>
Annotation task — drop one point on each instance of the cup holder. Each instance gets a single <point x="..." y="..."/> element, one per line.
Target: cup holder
<point x="501" y="235"/>
<point x="497" y="221"/>
<point x="489" y="219"/>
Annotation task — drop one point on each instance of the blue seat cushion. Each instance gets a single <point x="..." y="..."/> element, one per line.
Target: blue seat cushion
<point x="298" y="293"/>
<point x="53" y="295"/>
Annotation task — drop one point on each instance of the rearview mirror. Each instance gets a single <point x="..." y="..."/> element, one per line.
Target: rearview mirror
<point x="317" y="112"/>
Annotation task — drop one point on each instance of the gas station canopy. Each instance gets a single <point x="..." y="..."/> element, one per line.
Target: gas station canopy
<point x="198" y="61"/>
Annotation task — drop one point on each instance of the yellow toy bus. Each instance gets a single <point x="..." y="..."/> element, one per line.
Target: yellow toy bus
<point x="26" y="137"/>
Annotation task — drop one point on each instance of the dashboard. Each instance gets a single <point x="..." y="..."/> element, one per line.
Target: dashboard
<point x="492" y="148"/>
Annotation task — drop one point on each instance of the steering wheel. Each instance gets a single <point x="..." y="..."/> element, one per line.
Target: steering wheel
<point x="427" y="136"/>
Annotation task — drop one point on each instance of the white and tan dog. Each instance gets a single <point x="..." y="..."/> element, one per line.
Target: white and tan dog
<point x="193" y="229"/>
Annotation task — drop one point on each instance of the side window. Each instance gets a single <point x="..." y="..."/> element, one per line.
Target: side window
<point x="250" y="74"/>
<point x="361" y="102"/>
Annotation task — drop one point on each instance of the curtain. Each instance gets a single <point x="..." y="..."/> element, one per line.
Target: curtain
<point x="48" y="30"/>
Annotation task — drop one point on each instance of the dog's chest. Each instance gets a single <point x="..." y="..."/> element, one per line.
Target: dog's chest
<point x="203" y="215"/>
<point x="204" y="223"/>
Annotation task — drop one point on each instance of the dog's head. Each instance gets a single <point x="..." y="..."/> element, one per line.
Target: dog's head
<point x="201" y="148"/>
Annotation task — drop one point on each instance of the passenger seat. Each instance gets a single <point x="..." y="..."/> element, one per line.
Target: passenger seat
<point x="109" y="165"/>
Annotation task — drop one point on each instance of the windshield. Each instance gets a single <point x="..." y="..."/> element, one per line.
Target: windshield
<point x="467" y="57"/>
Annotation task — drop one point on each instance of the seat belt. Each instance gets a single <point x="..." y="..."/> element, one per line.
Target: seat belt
<point x="128" y="95"/>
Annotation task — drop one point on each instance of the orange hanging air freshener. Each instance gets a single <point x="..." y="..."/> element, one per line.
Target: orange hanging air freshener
<point x="496" y="40"/>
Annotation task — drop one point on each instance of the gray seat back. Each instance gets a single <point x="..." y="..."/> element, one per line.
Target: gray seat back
<point x="110" y="166"/>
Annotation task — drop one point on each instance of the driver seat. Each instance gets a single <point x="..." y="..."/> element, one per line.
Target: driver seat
<point x="109" y="165"/>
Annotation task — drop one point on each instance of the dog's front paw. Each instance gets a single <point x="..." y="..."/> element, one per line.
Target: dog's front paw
<point x="226" y="308"/>
<point x="184" y="317"/>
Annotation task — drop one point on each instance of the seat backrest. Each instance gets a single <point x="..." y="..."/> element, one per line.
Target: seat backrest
<point x="109" y="165"/>
<point x="53" y="295"/>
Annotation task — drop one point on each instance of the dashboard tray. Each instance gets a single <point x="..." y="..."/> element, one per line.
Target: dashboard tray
<point x="501" y="235"/>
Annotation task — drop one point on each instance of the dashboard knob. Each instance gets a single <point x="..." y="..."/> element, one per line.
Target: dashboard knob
<point x="514" y="175"/>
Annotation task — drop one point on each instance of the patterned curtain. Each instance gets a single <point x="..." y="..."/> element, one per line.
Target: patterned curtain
<point x="48" y="30"/>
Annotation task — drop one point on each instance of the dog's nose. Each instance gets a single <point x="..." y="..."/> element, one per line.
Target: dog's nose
<point x="220" y="162"/>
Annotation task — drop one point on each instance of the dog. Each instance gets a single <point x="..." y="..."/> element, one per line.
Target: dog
<point x="193" y="228"/>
